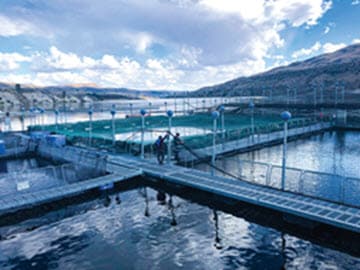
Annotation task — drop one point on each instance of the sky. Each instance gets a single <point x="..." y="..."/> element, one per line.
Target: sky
<point x="165" y="44"/>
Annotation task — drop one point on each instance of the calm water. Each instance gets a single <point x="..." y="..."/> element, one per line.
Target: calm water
<point x="331" y="152"/>
<point x="322" y="157"/>
<point x="122" y="236"/>
<point x="78" y="112"/>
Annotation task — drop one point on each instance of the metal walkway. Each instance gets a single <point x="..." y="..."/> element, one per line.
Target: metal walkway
<point x="125" y="167"/>
<point x="27" y="200"/>
<point x="337" y="215"/>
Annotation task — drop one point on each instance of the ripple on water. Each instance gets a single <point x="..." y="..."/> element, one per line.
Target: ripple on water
<point x="120" y="236"/>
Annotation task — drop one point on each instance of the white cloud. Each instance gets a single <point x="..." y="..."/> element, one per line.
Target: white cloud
<point x="355" y="41"/>
<point x="332" y="47"/>
<point x="326" y="30"/>
<point x="306" y="52"/>
<point x="11" y="61"/>
<point x="355" y="2"/>
<point x="14" y="27"/>
<point x="299" y="12"/>
<point x="201" y="42"/>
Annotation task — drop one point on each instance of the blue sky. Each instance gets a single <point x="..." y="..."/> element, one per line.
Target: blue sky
<point x="165" y="44"/>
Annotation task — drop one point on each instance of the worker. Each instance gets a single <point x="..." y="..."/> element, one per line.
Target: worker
<point x="178" y="143"/>
<point x="160" y="147"/>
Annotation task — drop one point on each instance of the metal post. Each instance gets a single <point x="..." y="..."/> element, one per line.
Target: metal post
<point x="175" y="104"/>
<point x="56" y="119"/>
<point x="170" y="115"/>
<point x="222" y="113"/>
<point x="142" y="112"/>
<point x="285" y="116"/>
<point x="113" y="112"/>
<point x="215" y="115"/>
<point x="42" y="118"/>
<point x="343" y="92"/>
<point x="90" y="124"/>
<point x="165" y="103"/>
<point x="203" y="105"/>
<point x="252" y="106"/>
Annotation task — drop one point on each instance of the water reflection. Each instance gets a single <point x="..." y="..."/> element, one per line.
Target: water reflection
<point x="332" y="152"/>
<point x="119" y="236"/>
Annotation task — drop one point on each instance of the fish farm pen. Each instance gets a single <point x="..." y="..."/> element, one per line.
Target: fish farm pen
<point x="64" y="171"/>
<point x="124" y="134"/>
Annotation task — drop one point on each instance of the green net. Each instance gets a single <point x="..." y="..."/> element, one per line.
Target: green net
<point x="198" y="133"/>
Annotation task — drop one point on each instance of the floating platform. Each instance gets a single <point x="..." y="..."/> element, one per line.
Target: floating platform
<point x="121" y="168"/>
<point x="333" y="214"/>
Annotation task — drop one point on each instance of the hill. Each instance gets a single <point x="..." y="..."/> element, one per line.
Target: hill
<point x="337" y="69"/>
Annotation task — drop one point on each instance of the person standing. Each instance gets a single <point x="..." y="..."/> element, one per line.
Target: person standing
<point x="160" y="147"/>
<point x="178" y="143"/>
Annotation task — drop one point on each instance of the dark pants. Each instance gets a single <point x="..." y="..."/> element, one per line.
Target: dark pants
<point x="160" y="156"/>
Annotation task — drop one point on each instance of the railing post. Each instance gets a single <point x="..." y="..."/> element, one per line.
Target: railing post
<point x="285" y="116"/>
<point x="113" y="112"/>
<point x="222" y="113"/>
<point x="143" y="113"/>
<point x="90" y="112"/>
<point x="170" y="115"/>
<point x="215" y="115"/>
<point x="252" y="106"/>
<point x="56" y="112"/>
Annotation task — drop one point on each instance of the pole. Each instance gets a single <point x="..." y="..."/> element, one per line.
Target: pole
<point x="56" y="119"/>
<point x="175" y="104"/>
<point x="90" y="125"/>
<point x="113" y="112"/>
<point x="42" y="118"/>
<point x="285" y="116"/>
<point x="169" y="114"/>
<point x="252" y="106"/>
<point x="215" y="115"/>
<point x="142" y="112"/>
<point x="222" y="113"/>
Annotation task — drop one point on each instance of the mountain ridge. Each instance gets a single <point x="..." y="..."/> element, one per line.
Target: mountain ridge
<point x="326" y="69"/>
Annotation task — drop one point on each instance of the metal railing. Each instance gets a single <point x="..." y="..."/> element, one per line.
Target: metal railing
<point x="326" y="186"/>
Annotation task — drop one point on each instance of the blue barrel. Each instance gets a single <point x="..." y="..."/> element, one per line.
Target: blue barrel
<point x="2" y="148"/>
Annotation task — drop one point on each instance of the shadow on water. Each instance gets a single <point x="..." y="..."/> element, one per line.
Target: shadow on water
<point x="317" y="233"/>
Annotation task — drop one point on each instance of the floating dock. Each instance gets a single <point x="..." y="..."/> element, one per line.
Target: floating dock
<point x="119" y="168"/>
<point x="337" y="215"/>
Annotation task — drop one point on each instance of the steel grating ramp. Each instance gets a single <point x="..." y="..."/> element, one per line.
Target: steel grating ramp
<point x="341" y="216"/>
